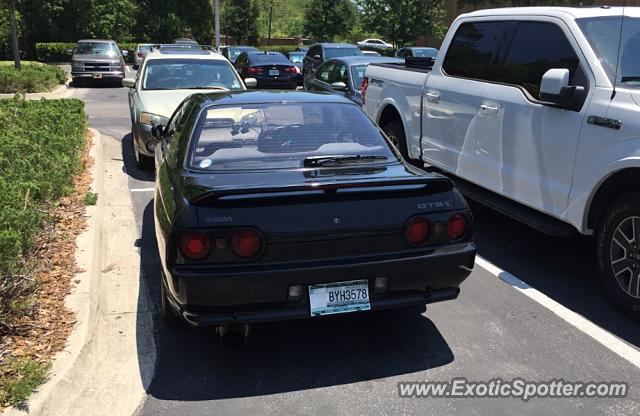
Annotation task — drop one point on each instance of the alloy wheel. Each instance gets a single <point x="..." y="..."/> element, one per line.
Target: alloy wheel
<point x="625" y="255"/>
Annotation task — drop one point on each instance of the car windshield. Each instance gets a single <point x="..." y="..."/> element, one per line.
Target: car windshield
<point x="268" y="59"/>
<point x="357" y="73"/>
<point x="171" y="74"/>
<point x="339" y="52"/>
<point x="425" y="52"/>
<point x="603" y="33"/>
<point x="235" y="52"/>
<point x="296" y="58"/>
<point x="282" y="135"/>
<point x="96" y="48"/>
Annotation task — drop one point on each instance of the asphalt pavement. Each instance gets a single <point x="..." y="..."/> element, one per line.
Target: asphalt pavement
<point x="553" y="323"/>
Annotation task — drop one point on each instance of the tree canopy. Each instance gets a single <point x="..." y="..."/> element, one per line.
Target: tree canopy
<point x="327" y="19"/>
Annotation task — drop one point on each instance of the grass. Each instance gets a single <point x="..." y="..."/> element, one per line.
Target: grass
<point x="90" y="198"/>
<point x="20" y="378"/>
<point x="33" y="77"/>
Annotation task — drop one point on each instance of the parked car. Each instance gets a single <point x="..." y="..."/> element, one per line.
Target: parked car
<point x="343" y="76"/>
<point x="166" y="77"/>
<point x="417" y="51"/>
<point x="371" y="53"/>
<point x="547" y="134"/>
<point x="296" y="59"/>
<point x="141" y="50"/>
<point x="317" y="54"/>
<point x="98" y="60"/>
<point x="375" y="43"/>
<point x="270" y="69"/>
<point x="185" y="41"/>
<point x="232" y="52"/>
<point x="370" y="231"/>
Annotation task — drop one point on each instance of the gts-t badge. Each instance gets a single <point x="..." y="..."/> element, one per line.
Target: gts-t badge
<point x="434" y="205"/>
<point x="218" y="220"/>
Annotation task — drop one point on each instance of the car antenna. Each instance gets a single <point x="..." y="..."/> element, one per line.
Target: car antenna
<point x="615" y="75"/>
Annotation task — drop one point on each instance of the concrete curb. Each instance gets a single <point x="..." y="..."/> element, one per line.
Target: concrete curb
<point x="109" y="360"/>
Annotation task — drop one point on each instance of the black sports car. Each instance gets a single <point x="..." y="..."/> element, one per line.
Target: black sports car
<point x="286" y="205"/>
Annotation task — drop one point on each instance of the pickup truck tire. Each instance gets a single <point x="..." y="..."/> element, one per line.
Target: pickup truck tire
<point x="395" y="131"/>
<point x="618" y="253"/>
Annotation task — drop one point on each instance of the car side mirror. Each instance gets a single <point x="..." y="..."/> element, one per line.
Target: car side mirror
<point x="250" y="82"/>
<point x="128" y="82"/>
<point x="317" y="57"/>
<point x="339" y="86"/>
<point x="555" y="89"/>
<point x="157" y="131"/>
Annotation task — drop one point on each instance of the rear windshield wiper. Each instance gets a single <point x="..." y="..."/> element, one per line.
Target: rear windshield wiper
<point x="313" y="161"/>
<point x="634" y="78"/>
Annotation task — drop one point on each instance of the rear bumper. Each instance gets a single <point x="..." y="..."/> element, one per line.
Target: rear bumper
<point x="280" y="83"/>
<point x="241" y="295"/>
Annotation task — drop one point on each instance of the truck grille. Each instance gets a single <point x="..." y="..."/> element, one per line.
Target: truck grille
<point x="101" y="66"/>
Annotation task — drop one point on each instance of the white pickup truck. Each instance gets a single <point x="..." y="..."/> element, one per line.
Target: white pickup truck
<point x="534" y="112"/>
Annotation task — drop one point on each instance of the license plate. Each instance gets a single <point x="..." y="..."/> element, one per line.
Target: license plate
<point x="274" y="72"/>
<point x="97" y="76"/>
<point x="339" y="297"/>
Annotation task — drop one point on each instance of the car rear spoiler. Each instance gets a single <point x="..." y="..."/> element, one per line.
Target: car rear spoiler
<point x="199" y="193"/>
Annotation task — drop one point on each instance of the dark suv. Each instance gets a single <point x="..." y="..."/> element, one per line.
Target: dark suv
<point x="99" y="60"/>
<point x="319" y="53"/>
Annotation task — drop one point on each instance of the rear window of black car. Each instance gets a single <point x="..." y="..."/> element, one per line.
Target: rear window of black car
<point x="282" y="135"/>
<point x="272" y="58"/>
<point x="339" y="52"/>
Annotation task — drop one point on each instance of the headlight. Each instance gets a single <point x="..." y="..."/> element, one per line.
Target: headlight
<point x="77" y="66"/>
<point x="153" y="119"/>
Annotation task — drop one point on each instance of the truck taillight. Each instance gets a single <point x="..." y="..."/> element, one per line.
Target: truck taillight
<point x="363" y="87"/>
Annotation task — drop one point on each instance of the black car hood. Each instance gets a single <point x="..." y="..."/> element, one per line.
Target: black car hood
<point x="201" y="186"/>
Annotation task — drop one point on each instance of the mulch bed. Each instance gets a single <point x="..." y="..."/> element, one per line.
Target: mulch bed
<point x="43" y="330"/>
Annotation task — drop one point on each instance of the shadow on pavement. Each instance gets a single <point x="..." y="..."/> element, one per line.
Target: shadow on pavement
<point x="563" y="269"/>
<point x="285" y="356"/>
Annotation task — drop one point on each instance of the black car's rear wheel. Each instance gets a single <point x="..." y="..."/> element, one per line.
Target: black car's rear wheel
<point x="169" y="314"/>
<point x="618" y="250"/>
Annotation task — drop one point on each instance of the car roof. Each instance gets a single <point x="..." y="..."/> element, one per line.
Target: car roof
<point x="419" y="47"/>
<point x="336" y="45"/>
<point x="258" y="97"/>
<point x="96" y="41"/>
<point x="250" y="48"/>
<point x="364" y="59"/>
<point x="184" y="53"/>
<point x="562" y="12"/>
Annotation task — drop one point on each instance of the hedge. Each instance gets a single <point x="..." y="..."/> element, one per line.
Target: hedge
<point x="40" y="152"/>
<point x="59" y="51"/>
<point x="283" y="49"/>
<point x="33" y="77"/>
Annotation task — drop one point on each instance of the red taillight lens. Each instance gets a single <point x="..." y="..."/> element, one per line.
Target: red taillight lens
<point x="254" y="70"/>
<point x="457" y="226"/>
<point x="194" y="246"/>
<point x="246" y="243"/>
<point x="291" y="69"/>
<point x="416" y="231"/>
<point x="363" y="87"/>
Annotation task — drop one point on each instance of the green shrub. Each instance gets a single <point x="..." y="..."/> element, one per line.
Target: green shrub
<point x="23" y="376"/>
<point x="33" y="77"/>
<point x="283" y="49"/>
<point x="60" y="51"/>
<point x="40" y="152"/>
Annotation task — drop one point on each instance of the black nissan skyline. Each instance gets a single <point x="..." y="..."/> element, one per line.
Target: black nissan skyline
<point x="286" y="205"/>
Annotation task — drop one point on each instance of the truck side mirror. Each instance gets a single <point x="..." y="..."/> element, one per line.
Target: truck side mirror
<point x="555" y="89"/>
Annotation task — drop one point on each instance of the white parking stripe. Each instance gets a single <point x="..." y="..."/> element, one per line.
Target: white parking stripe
<point x="603" y="336"/>
<point x="143" y="189"/>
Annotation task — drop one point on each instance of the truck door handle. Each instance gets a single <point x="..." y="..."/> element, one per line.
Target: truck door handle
<point x="433" y="96"/>
<point x="489" y="108"/>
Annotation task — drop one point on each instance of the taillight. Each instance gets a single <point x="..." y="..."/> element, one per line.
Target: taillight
<point x="246" y="243"/>
<point x="363" y="87"/>
<point x="254" y="70"/>
<point x="457" y="226"/>
<point x="416" y="231"/>
<point x="195" y="246"/>
<point x="291" y="69"/>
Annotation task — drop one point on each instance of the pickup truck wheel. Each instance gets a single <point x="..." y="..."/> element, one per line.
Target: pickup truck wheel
<point x="618" y="250"/>
<point x="395" y="132"/>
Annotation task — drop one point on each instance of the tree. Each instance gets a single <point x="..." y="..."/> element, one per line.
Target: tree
<point x="326" y="19"/>
<point x="239" y="20"/>
<point x="401" y="21"/>
<point x="112" y="19"/>
<point x="13" y="24"/>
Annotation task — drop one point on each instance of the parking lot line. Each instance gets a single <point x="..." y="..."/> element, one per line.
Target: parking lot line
<point x="142" y="189"/>
<point x="603" y="336"/>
